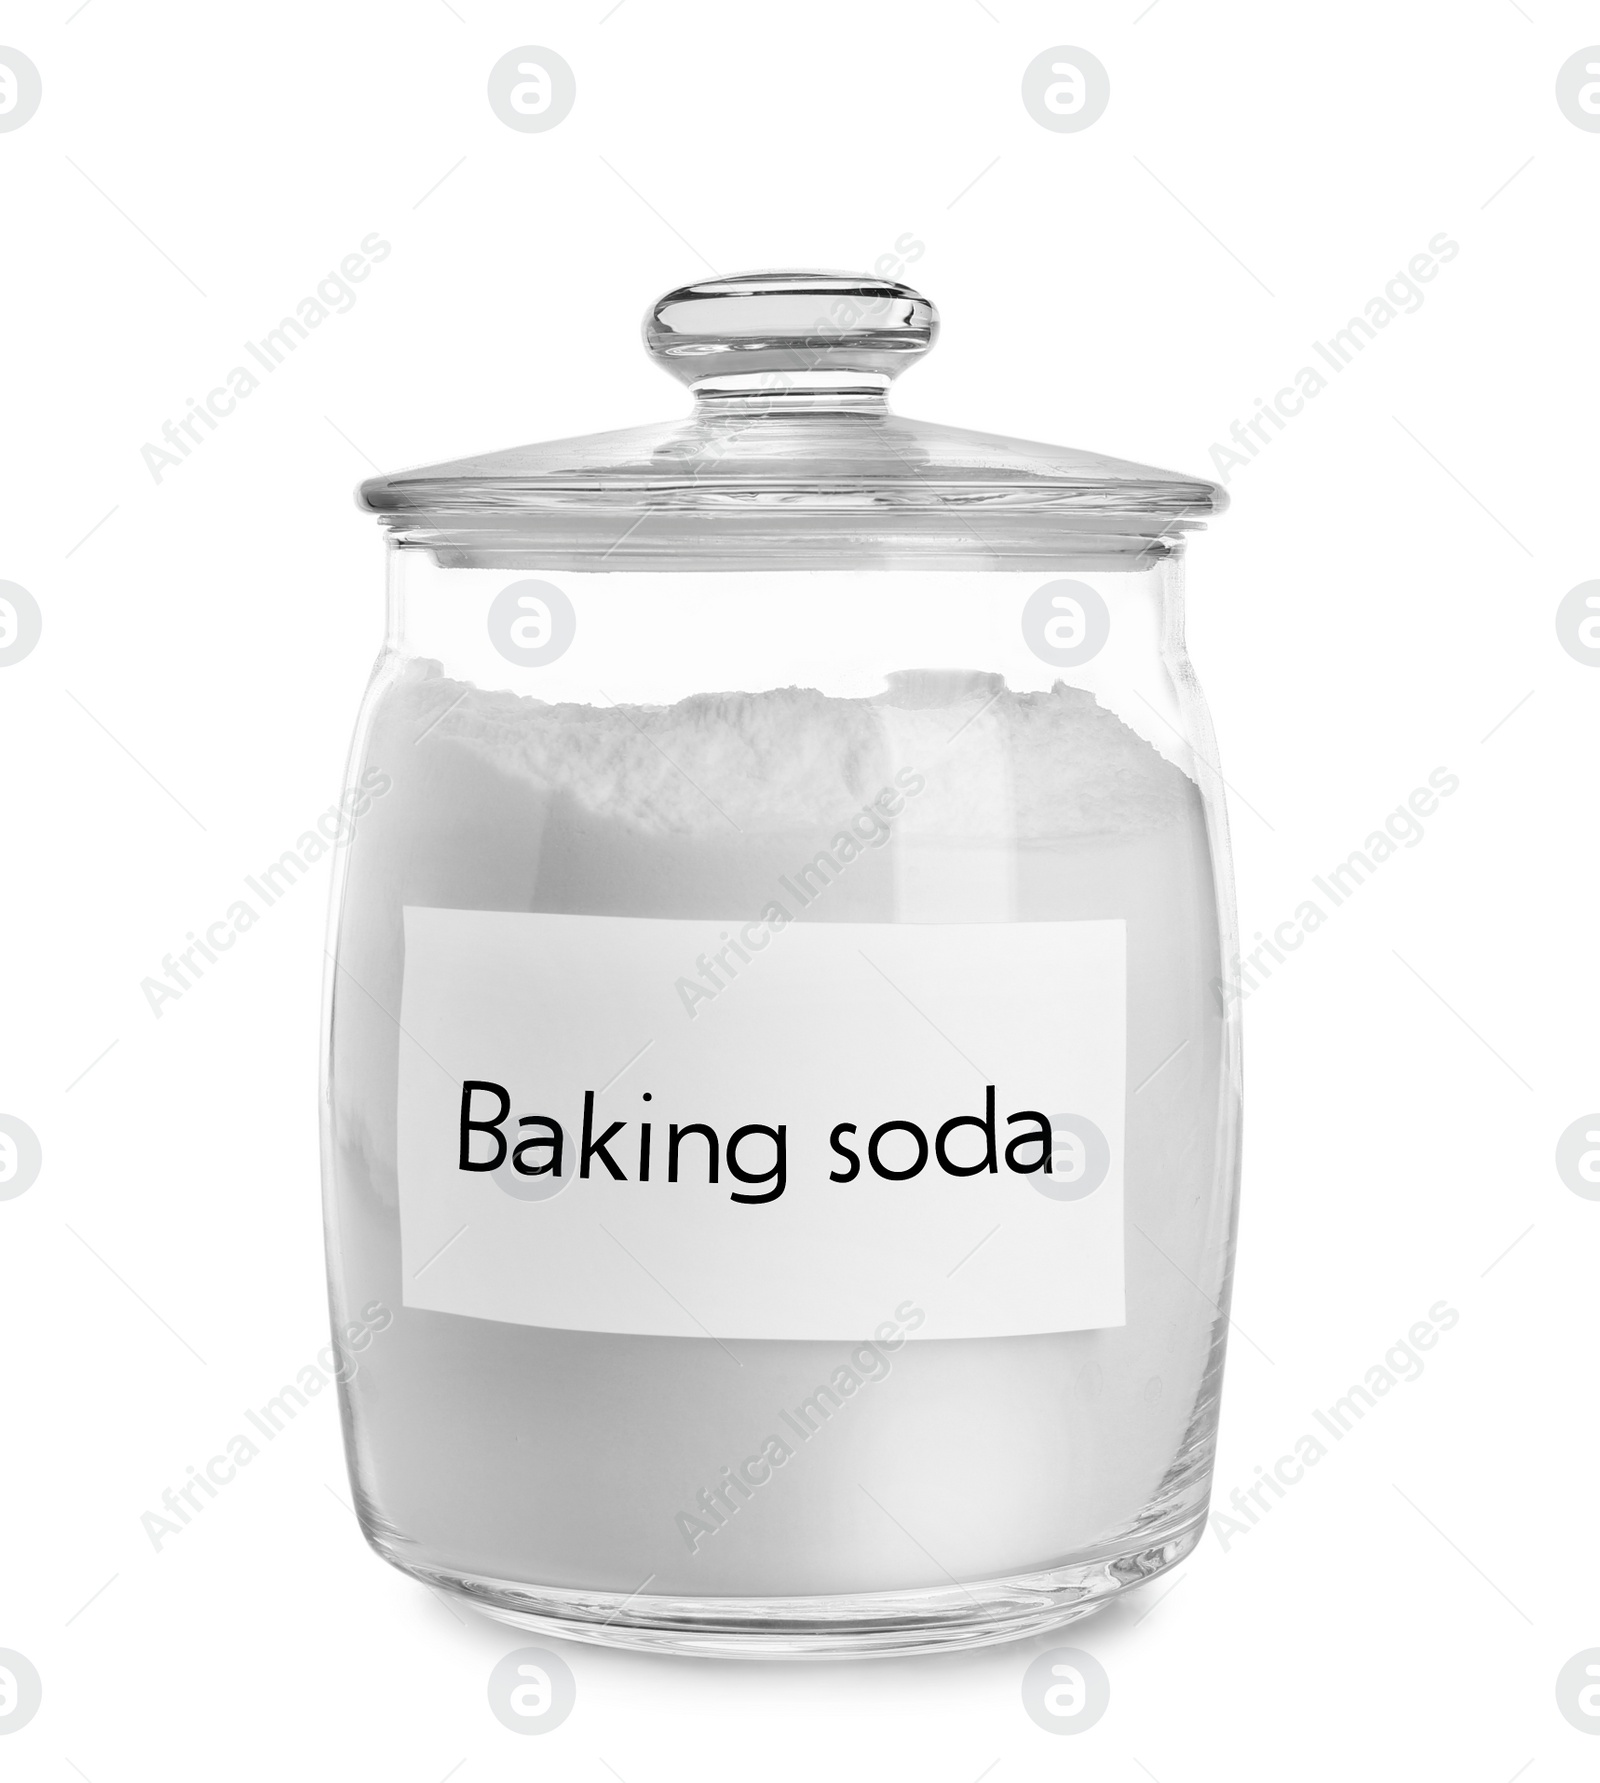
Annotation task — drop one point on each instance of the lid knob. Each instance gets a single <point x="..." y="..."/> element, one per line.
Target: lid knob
<point x="789" y="331"/>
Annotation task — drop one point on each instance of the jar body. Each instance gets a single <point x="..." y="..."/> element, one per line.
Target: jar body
<point x="822" y="1411"/>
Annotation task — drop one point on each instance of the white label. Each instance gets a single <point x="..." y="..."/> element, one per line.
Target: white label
<point x="827" y="1043"/>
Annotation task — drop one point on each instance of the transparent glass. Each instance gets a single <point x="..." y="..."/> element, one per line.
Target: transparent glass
<point x="723" y="705"/>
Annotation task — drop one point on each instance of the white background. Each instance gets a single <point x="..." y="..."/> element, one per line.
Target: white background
<point x="1379" y="600"/>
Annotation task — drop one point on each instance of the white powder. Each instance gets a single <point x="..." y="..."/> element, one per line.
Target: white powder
<point x="795" y="759"/>
<point x="562" y="1458"/>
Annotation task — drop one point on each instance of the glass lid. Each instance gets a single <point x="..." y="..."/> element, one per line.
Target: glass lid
<point x="791" y="458"/>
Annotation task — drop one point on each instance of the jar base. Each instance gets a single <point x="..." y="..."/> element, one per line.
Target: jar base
<point x="862" y="1625"/>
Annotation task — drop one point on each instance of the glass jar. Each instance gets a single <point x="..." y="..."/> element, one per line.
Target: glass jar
<point x="781" y="1112"/>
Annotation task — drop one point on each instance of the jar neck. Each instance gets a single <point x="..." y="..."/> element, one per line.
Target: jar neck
<point x="791" y="392"/>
